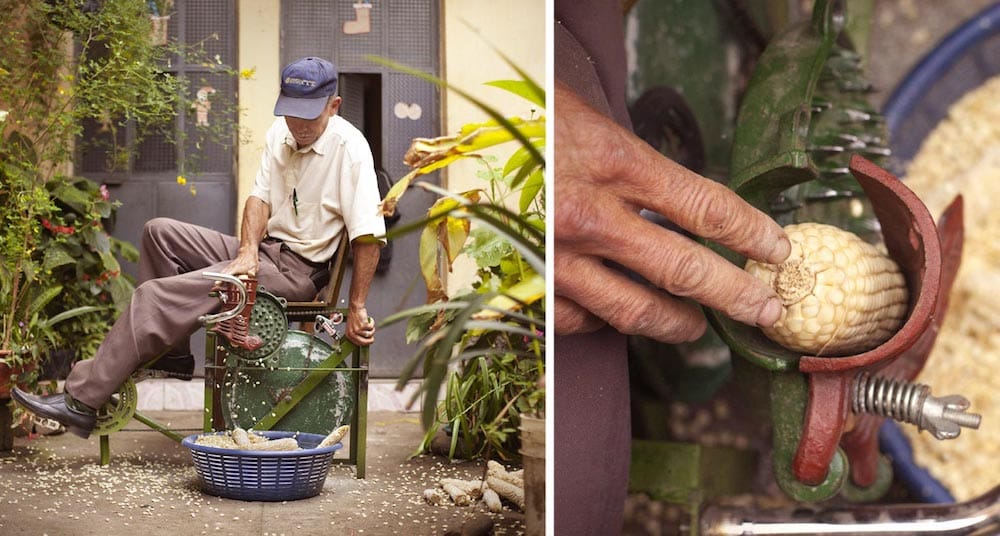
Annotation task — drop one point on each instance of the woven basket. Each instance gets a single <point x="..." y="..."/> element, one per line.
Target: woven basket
<point x="253" y="475"/>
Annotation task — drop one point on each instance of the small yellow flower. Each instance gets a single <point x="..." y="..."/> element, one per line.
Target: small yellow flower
<point x="248" y="74"/>
<point x="193" y="191"/>
<point x="181" y="180"/>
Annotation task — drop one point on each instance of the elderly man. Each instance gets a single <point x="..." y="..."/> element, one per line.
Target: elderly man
<point x="316" y="180"/>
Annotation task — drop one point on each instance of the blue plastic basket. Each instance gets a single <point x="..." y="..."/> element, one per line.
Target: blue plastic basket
<point x="253" y="475"/>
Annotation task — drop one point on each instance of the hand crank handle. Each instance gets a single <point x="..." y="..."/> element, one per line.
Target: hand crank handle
<point x="980" y="515"/>
<point x="231" y="313"/>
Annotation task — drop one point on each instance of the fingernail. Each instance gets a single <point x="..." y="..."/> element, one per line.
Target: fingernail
<point x="770" y="313"/>
<point x="782" y="249"/>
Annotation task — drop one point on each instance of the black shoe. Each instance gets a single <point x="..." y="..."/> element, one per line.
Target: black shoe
<point x="174" y="366"/>
<point x="77" y="417"/>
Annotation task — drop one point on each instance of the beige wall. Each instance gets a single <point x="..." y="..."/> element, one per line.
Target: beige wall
<point x="517" y="27"/>
<point x="259" y="50"/>
<point x="469" y="27"/>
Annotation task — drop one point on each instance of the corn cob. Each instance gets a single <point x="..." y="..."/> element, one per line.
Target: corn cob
<point x="284" y="443"/>
<point x="335" y="436"/>
<point x="241" y="438"/>
<point x="432" y="496"/>
<point x="457" y="494"/>
<point x="507" y="490"/>
<point x="840" y="295"/>
<point x="474" y="488"/>
<point x="496" y="470"/>
<point x="492" y="500"/>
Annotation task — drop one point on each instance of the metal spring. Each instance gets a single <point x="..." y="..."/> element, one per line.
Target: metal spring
<point x="886" y="397"/>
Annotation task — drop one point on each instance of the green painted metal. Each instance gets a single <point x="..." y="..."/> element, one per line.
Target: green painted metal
<point x="297" y="388"/>
<point x="797" y="101"/>
<point x="878" y="489"/>
<point x="116" y="413"/>
<point x="360" y="359"/>
<point x="689" y="474"/>
<point x="267" y="321"/>
<point x="693" y="57"/>
<point x="789" y="395"/>
<point x="105" y="442"/>
<point x="158" y="427"/>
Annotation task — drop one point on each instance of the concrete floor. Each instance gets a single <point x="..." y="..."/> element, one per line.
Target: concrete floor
<point x="53" y="485"/>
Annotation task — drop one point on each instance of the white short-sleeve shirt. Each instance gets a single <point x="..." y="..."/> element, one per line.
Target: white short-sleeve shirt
<point x="317" y="192"/>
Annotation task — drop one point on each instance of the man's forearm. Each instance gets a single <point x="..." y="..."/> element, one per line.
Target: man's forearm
<point x="255" y="215"/>
<point x="366" y="253"/>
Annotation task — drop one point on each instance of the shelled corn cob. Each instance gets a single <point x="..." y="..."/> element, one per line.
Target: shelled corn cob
<point x="499" y="484"/>
<point x="240" y="439"/>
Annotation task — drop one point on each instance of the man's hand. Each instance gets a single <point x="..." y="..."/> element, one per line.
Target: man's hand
<point x="604" y="177"/>
<point x="255" y="215"/>
<point x="245" y="263"/>
<point x="360" y="327"/>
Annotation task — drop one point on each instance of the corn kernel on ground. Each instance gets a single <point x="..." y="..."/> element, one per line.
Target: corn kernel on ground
<point x="841" y="295"/>
<point x="962" y="155"/>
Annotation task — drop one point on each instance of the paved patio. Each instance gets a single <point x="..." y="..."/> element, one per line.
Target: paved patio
<point x="53" y="485"/>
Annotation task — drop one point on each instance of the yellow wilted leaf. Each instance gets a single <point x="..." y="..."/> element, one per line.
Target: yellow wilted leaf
<point x="526" y="291"/>
<point x="428" y="253"/>
<point x="457" y="232"/>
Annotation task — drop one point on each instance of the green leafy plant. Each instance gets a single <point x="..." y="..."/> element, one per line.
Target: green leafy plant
<point x="67" y="64"/>
<point x="486" y="345"/>
<point x="80" y="257"/>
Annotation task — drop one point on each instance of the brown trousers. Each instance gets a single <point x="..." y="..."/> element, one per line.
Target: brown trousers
<point x="592" y="421"/>
<point x="170" y="297"/>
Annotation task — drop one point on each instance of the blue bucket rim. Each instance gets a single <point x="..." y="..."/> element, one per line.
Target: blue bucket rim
<point x="313" y="439"/>
<point x="911" y="89"/>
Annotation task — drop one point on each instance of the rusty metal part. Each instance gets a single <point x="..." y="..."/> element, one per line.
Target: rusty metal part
<point x="861" y="443"/>
<point x="234" y="324"/>
<point x="979" y="516"/>
<point x="913" y="242"/>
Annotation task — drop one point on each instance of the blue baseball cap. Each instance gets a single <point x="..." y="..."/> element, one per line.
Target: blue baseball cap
<point x="306" y="84"/>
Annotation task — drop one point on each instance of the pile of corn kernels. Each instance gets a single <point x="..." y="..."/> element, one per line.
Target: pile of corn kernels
<point x="962" y="156"/>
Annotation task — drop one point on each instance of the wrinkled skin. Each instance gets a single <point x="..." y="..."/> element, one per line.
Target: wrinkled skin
<point x="604" y="175"/>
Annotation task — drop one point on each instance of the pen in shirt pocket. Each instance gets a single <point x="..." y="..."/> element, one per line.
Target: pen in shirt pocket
<point x="295" y="201"/>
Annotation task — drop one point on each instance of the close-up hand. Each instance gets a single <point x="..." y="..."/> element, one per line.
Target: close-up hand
<point x="245" y="263"/>
<point x="604" y="176"/>
<point x="360" y="327"/>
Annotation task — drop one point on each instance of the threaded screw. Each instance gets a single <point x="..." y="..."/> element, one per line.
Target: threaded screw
<point x="912" y="403"/>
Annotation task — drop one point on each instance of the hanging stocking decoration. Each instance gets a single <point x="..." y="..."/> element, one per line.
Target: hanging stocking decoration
<point x="363" y="22"/>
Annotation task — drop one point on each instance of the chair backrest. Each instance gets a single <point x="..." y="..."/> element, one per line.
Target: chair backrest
<point x="338" y="265"/>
